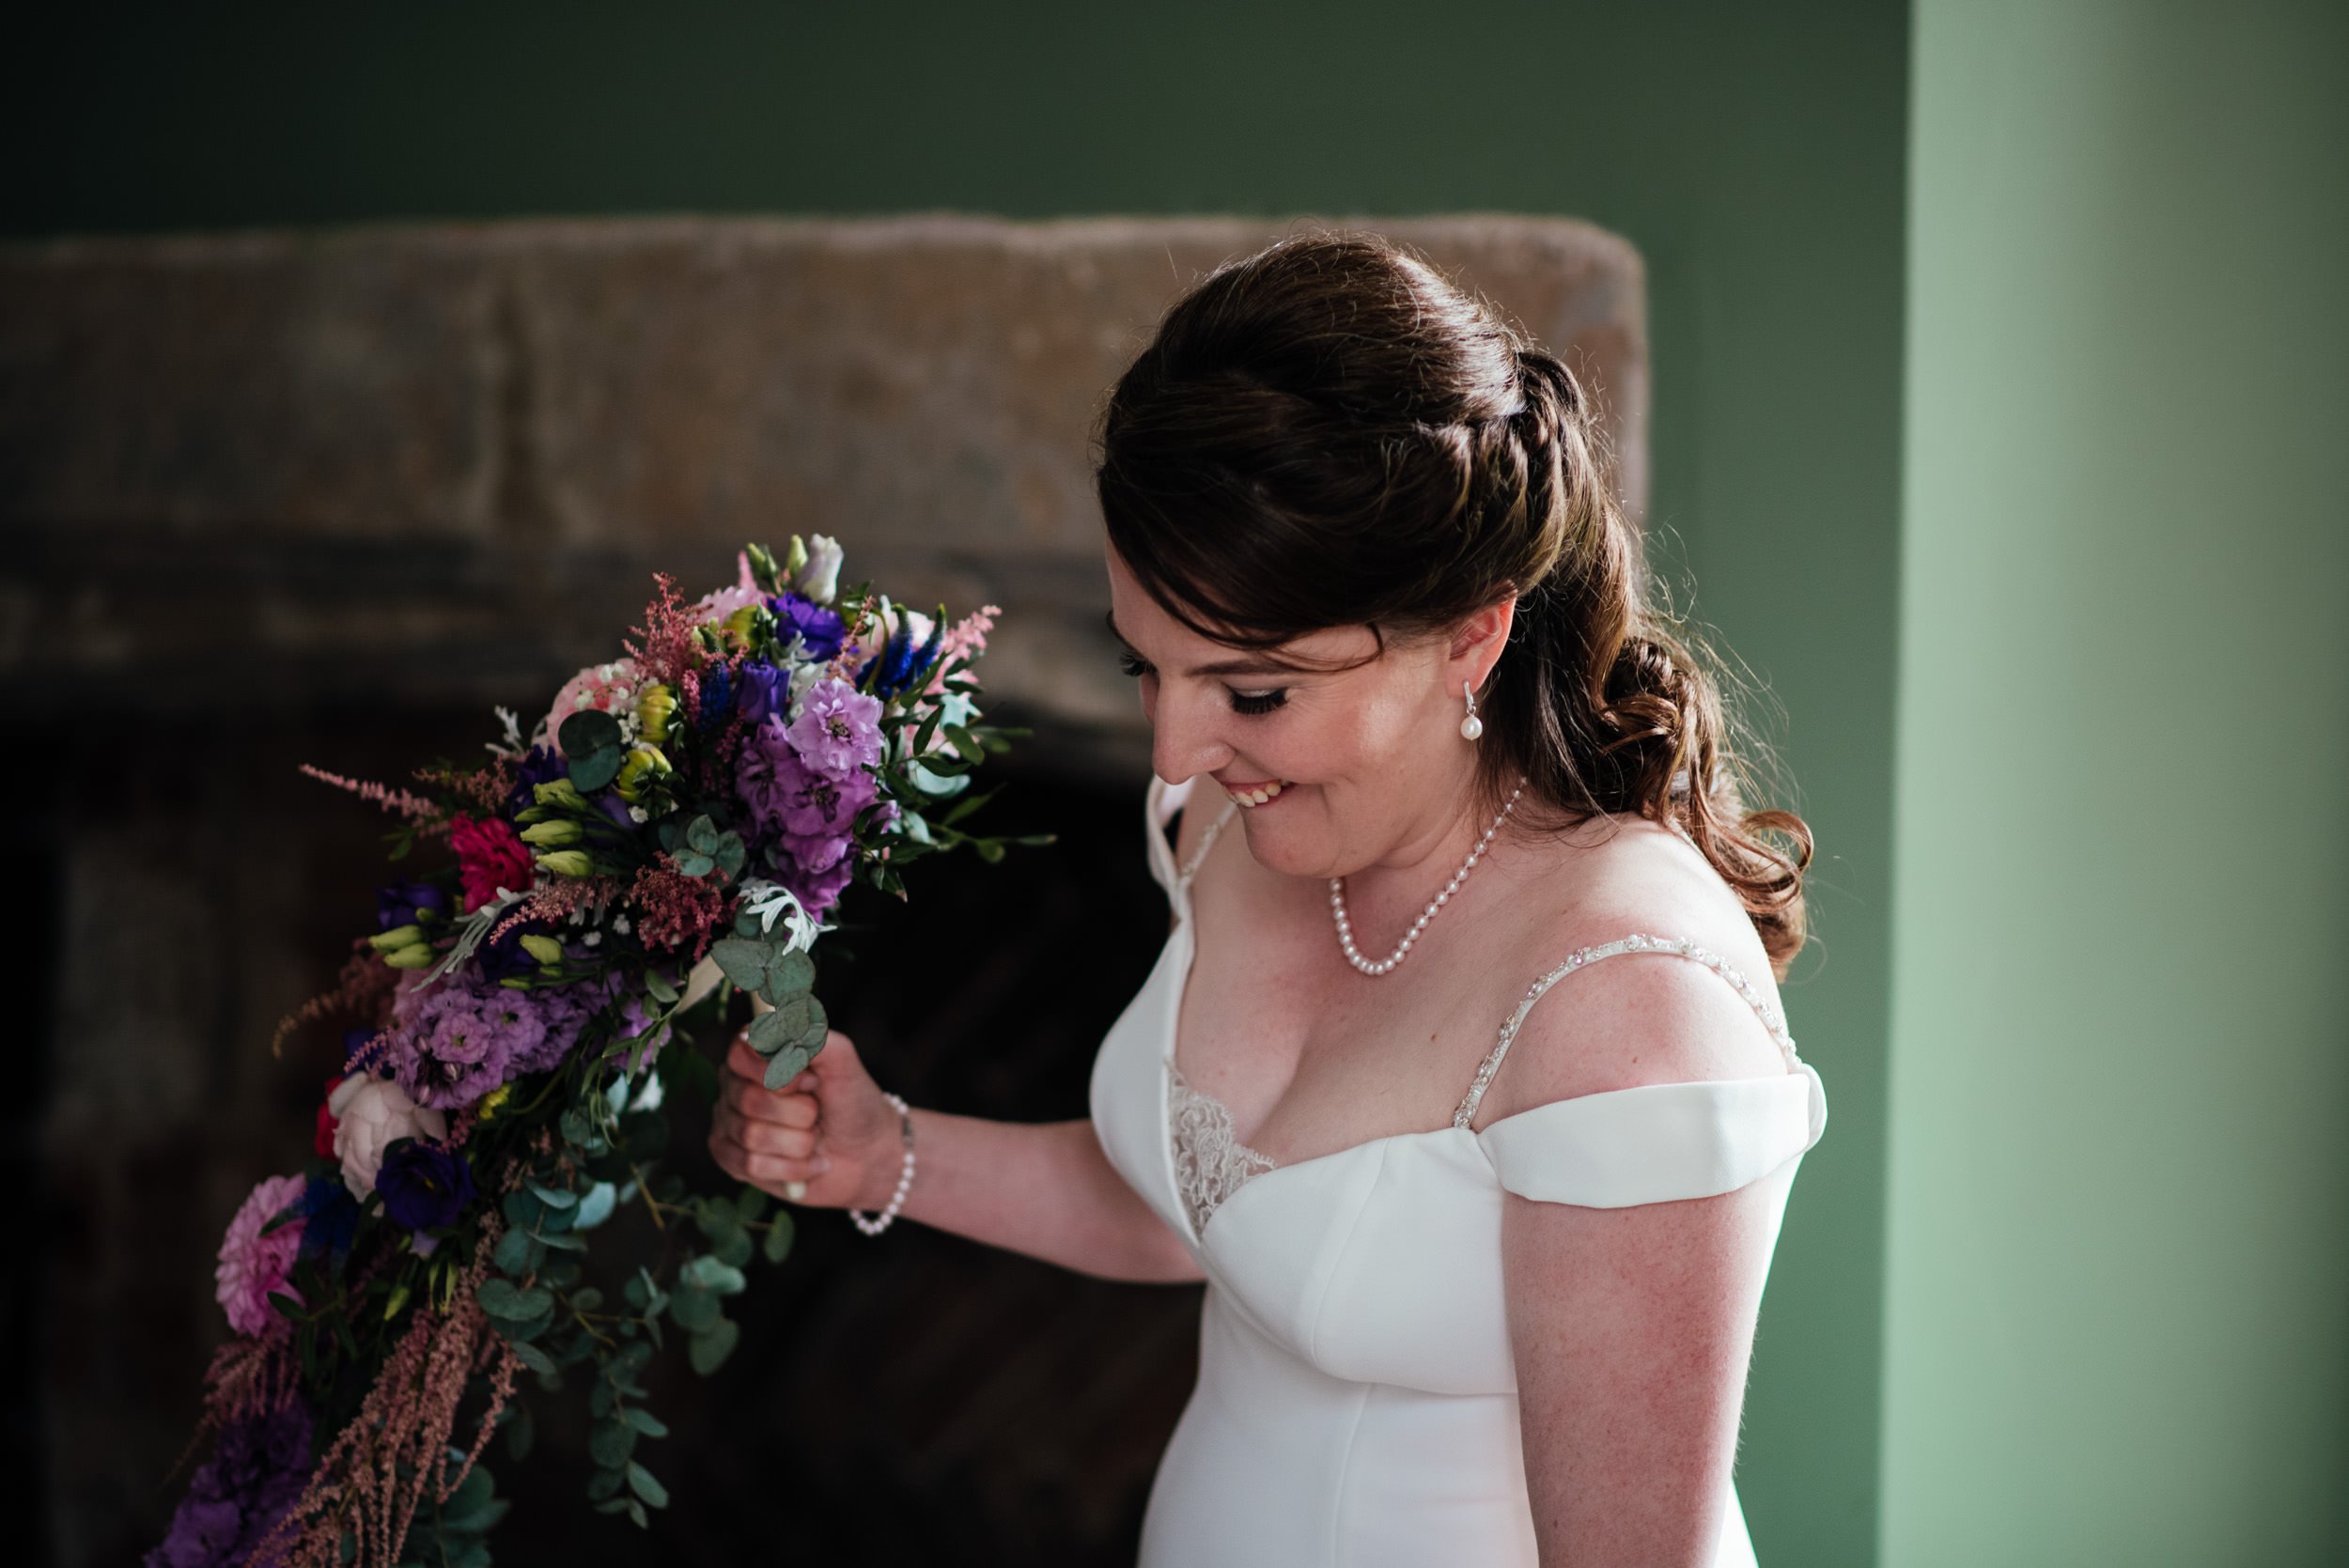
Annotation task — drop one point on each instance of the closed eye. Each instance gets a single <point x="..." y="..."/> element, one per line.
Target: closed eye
<point x="1252" y="704"/>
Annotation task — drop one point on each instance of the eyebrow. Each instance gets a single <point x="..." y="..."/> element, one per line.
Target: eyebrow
<point x="1260" y="665"/>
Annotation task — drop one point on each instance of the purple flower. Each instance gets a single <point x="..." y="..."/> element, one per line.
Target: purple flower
<point x="760" y="689"/>
<point x="458" y="1039"/>
<point x="564" y="1013"/>
<point x="424" y="1186"/>
<point x="260" y="1467"/>
<point x="542" y="766"/>
<point x="838" y="730"/>
<point x="408" y="904"/>
<point x="820" y="630"/>
<point x="817" y="889"/>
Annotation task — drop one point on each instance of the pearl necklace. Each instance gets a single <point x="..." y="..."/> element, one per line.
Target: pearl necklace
<point x="1345" y="926"/>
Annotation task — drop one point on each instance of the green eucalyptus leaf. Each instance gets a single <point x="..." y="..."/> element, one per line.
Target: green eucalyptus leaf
<point x="587" y="730"/>
<point x="710" y="1348"/>
<point x="595" y="770"/>
<point x="610" y="1442"/>
<point x="554" y="1198"/>
<point x="605" y="1484"/>
<point x="789" y="973"/>
<point x="701" y="834"/>
<point x="656" y="986"/>
<point x="788" y="1064"/>
<point x="646" y="1421"/>
<point x="639" y="1482"/>
<point x="535" y="1359"/>
<point x="750" y="1203"/>
<point x="779" y="1233"/>
<point x="509" y="1302"/>
<point x="694" y="1309"/>
<point x="711" y="1274"/>
<point x="513" y="1254"/>
<point x="692" y="862"/>
<point x="733" y="1248"/>
<point x="742" y="961"/>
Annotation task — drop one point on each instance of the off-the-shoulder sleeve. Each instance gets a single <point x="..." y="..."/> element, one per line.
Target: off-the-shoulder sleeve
<point x="1659" y="1143"/>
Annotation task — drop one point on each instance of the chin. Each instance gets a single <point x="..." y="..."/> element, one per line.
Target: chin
<point x="1277" y="846"/>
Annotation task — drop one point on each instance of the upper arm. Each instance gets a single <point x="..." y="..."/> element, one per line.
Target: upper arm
<point x="1631" y="1327"/>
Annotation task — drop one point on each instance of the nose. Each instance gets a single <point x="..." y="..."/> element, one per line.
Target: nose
<point x="1183" y="738"/>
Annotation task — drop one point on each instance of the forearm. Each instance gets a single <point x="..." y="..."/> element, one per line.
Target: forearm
<point x="1042" y="1188"/>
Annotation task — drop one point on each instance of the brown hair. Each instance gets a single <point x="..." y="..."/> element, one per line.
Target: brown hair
<point x="1331" y="433"/>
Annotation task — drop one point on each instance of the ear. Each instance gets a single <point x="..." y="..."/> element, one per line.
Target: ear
<point x="1477" y="643"/>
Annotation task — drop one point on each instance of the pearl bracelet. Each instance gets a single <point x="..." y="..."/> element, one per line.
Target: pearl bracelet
<point x="876" y="1224"/>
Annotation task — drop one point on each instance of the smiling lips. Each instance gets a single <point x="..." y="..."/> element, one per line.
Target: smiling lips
<point x="1256" y="795"/>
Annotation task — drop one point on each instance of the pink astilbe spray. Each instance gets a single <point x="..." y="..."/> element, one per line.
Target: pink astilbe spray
<point x="967" y="636"/>
<point x="555" y="902"/>
<point x="407" y="803"/>
<point x="361" y="992"/>
<point x="404" y="1423"/>
<point x="484" y="788"/>
<point x="674" y="911"/>
<point x="669" y="647"/>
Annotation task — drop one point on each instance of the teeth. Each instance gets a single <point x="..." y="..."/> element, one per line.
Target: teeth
<point x="1257" y="797"/>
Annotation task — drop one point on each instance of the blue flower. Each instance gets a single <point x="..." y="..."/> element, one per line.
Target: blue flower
<point x="820" y="630"/>
<point x="424" y="1187"/>
<point x="900" y="665"/>
<point x="330" y="1213"/>
<point x="717" y="695"/>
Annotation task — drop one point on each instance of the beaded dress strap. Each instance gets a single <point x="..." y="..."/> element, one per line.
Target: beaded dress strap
<point x="1670" y="946"/>
<point x="1207" y="842"/>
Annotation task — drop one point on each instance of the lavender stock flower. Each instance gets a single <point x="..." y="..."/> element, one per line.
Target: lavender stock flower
<point x="838" y="730"/>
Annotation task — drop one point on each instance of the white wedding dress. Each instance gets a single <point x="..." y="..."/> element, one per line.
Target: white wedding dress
<point x="1357" y="1403"/>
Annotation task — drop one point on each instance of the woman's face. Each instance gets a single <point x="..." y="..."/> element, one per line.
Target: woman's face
<point x="1338" y="759"/>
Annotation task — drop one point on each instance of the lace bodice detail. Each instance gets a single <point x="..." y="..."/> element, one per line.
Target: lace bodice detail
<point x="1211" y="1161"/>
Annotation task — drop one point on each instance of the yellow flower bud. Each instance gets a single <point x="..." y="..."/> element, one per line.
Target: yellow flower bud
<point x="493" y="1102"/>
<point x="552" y="835"/>
<point x="643" y="765"/>
<point x="545" y="949"/>
<point x="654" y="705"/>
<point x="415" y="957"/>
<point x="559" y="792"/>
<point x="398" y="936"/>
<point x="567" y="863"/>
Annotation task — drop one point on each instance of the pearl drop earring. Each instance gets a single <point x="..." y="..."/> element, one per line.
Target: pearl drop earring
<point x="1471" y="726"/>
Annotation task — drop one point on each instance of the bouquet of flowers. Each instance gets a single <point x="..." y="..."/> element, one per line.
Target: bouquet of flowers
<point x="674" y="832"/>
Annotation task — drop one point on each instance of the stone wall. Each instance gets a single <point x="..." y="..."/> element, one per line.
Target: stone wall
<point x="281" y="498"/>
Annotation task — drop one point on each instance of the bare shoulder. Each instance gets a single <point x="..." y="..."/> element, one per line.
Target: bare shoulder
<point x="1638" y="1019"/>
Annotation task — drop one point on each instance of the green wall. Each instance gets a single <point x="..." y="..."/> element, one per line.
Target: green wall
<point x="1755" y="154"/>
<point x="2119" y="1281"/>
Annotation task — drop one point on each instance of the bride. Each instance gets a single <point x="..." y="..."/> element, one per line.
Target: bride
<point x="1482" y="1268"/>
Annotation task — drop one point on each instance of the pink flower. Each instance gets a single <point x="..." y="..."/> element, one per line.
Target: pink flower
<point x="253" y="1265"/>
<point x="715" y="606"/>
<point x="490" y="855"/>
<point x="370" y="1114"/>
<point x="611" y="688"/>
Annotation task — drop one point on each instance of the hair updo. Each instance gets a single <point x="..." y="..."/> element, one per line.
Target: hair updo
<point x="1331" y="433"/>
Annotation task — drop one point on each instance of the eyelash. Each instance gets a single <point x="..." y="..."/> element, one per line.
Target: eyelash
<point x="1253" y="703"/>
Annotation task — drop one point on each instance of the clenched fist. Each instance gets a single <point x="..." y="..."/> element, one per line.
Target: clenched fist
<point x="827" y="1128"/>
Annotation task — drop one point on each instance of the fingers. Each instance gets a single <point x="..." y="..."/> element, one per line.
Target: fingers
<point x="784" y="1107"/>
<point x="748" y="1066"/>
<point x="763" y="1138"/>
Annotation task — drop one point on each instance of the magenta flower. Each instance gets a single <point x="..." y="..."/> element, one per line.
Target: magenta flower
<point x="838" y="730"/>
<point x="252" y="1265"/>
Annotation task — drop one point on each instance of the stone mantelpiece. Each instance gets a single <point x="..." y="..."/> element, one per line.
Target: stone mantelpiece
<point x="437" y="465"/>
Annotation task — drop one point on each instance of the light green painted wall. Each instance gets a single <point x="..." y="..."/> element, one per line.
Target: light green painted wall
<point x="1755" y="154"/>
<point x="2119" y="1278"/>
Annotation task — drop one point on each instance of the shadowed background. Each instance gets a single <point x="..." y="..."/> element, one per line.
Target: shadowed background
<point x="1997" y="365"/>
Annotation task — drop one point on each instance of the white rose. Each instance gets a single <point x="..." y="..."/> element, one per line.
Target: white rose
<point x="370" y="1114"/>
<point x="819" y="579"/>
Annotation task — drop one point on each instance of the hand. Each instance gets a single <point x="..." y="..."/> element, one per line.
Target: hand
<point x="827" y="1128"/>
